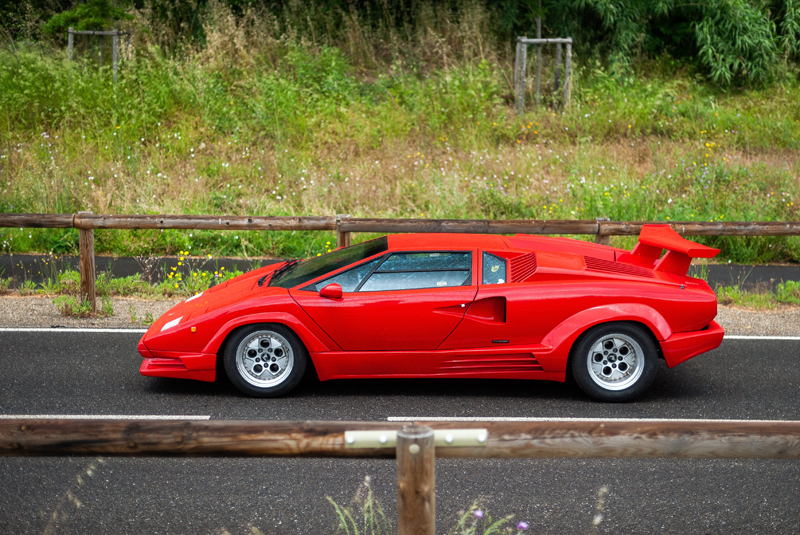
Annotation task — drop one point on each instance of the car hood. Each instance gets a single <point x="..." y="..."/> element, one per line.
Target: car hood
<point x="237" y="289"/>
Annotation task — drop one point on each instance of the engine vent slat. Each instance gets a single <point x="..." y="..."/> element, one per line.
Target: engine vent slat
<point x="522" y="267"/>
<point x="607" y="266"/>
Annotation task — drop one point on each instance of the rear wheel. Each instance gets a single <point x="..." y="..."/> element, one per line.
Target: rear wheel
<point x="615" y="361"/>
<point x="265" y="360"/>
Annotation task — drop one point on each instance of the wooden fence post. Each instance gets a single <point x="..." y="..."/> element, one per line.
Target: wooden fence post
<point x="601" y="238"/>
<point x="567" y="72"/>
<point x="416" y="482"/>
<point x="86" y="251"/>
<point x="342" y="238"/>
<point x="70" y="42"/>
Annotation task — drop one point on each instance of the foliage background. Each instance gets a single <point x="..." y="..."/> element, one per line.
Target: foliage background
<point x="397" y="108"/>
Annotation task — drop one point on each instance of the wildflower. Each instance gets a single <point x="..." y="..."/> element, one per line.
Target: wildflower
<point x="522" y="526"/>
<point x="478" y="513"/>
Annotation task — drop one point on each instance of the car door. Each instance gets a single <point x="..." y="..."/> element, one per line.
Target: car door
<point x="402" y="301"/>
<point x="507" y="310"/>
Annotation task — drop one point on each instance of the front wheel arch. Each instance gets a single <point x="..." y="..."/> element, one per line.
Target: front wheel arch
<point x="228" y="358"/>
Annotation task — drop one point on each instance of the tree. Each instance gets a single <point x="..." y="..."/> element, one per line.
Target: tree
<point x="93" y="15"/>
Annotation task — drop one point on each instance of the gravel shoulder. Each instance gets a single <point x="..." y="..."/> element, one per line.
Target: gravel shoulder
<point x="130" y="313"/>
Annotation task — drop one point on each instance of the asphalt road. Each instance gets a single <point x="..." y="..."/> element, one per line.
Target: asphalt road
<point x="97" y="374"/>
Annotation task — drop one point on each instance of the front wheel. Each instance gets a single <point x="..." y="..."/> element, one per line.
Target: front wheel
<point x="615" y="362"/>
<point x="265" y="360"/>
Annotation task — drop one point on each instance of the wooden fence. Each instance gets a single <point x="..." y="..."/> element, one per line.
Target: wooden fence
<point x="344" y="225"/>
<point x="415" y="445"/>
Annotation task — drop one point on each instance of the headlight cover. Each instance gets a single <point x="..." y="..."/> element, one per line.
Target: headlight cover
<point x="171" y="324"/>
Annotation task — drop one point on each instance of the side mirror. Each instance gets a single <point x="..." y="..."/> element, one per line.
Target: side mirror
<point x="331" y="291"/>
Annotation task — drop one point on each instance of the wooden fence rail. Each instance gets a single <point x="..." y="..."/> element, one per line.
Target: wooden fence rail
<point x="414" y="449"/>
<point x="344" y="225"/>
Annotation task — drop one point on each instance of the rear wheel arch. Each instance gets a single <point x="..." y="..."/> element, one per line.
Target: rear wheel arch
<point x="639" y="343"/>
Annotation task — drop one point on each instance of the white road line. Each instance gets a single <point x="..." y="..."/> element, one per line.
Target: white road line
<point x="106" y="416"/>
<point x="556" y="419"/>
<point x="748" y="337"/>
<point x="68" y="330"/>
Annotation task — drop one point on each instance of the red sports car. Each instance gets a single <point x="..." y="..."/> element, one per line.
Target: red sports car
<point x="449" y="305"/>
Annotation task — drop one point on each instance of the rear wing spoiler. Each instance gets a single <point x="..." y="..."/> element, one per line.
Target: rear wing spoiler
<point x="680" y="251"/>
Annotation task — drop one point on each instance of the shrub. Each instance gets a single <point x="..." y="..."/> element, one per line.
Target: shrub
<point x="788" y="292"/>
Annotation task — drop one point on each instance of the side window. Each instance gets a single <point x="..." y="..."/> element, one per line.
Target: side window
<point x="494" y="269"/>
<point x="350" y="279"/>
<point x="412" y="271"/>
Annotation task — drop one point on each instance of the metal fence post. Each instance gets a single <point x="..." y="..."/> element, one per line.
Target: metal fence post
<point x="114" y="53"/>
<point x="86" y="252"/>
<point x="538" y="59"/>
<point x="558" y="66"/>
<point x="523" y="74"/>
<point x="416" y="482"/>
<point x="567" y="72"/>
<point x="70" y="42"/>
<point x="342" y="238"/>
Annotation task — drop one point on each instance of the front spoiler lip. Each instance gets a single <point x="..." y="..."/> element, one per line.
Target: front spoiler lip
<point x="178" y="364"/>
<point x="680" y="347"/>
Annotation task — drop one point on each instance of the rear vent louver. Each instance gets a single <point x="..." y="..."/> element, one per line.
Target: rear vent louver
<point x="523" y="267"/>
<point x="607" y="266"/>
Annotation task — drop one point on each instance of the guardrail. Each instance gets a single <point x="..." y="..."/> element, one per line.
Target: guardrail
<point x="415" y="446"/>
<point x="344" y="225"/>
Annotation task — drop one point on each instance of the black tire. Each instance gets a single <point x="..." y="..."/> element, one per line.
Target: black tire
<point x="615" y="361"/>
<point x="265" y="360"/>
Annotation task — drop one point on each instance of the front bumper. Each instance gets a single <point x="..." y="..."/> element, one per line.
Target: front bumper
<point x="680" y="347"/>
<point x="177" y="364"/>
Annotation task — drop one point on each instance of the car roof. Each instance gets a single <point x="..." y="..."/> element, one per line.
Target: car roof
<point x="446" y="241"/>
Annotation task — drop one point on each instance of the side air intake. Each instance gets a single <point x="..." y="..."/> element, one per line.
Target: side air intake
<point x="522" y="267"/>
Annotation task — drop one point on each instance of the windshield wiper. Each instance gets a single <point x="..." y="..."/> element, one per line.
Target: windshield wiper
<point x="278" y="271"/>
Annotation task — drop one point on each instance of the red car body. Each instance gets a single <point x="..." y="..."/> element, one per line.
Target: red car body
<point x="522" y="327"/>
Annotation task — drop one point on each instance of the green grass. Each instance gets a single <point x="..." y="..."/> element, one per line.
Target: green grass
<point x="183" y="276"/>
<point x="786" y="293"/>
<point x="276" y="128"/>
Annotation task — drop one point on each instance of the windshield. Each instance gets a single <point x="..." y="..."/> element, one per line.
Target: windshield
<point x="316" y="267"/>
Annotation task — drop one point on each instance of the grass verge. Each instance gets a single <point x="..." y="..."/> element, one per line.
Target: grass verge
<point x="257" y="124"/>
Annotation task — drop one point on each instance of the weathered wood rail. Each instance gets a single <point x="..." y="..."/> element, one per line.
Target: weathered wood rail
<point x="414" y="450"/>
<point x="344" y="225"/>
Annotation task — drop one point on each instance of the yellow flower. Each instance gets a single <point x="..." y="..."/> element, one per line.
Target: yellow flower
<point x="180" y="263"/>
